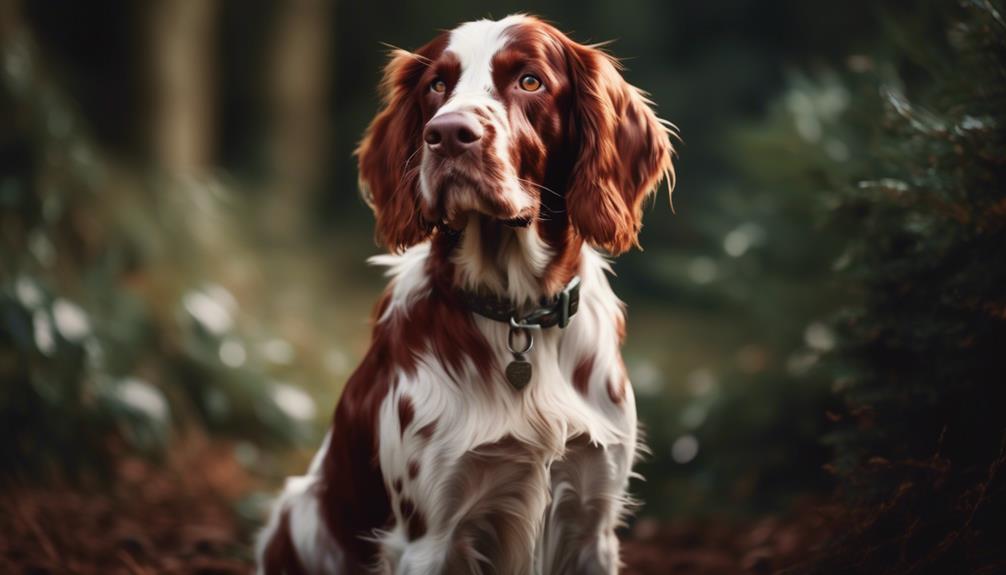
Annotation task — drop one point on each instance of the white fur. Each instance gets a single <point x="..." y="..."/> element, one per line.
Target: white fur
<point x="410" y="282"/>
<point x="475" y="44"/>
<point x="516" y="269"/>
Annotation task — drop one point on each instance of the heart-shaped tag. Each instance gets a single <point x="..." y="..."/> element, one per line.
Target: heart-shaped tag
<point x="518" y="373"/>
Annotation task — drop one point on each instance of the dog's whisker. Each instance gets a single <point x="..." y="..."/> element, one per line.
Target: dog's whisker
<point x="397" y="50"/>
<point x="413" y="155"/>
<point x="540" y="186"/>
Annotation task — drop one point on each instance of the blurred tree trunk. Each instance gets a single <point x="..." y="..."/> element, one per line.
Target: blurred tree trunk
<point x="297" y="108"/>
<point x="10" y="15"/>
<point x="182" y="67"/>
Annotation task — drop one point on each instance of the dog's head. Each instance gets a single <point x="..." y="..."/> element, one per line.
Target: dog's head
<point x="513" y="120"/>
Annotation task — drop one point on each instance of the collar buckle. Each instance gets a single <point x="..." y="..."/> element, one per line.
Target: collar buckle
<point x="527" y="322"/>
<point x="561" y="310"/>
<point x="565" y="296"/>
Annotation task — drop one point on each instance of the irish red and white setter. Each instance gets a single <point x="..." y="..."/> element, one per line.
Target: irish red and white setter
<point x="491" y="427"/>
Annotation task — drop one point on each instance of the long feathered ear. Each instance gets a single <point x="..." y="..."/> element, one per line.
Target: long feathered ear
<point x="388" y="165"/>
<point x="624" y="152"/>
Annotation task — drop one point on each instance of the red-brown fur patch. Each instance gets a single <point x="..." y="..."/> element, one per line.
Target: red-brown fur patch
<point x="406" y="412"/>
<point x="581" y="375"/>
<point x="623" y="150"/>
<point x="618" y="383"/>
<point x="280" y="556"/>
<point x="427" y="431"/>
<point x="616" y="389"/>
<point x="619" y="321"/>
<point x="406" y="507"/>
<point x="415" y="523"/>
<point x="388" y="165"/>
<point x="416" y="526"/>
<point x="353" y="498"/>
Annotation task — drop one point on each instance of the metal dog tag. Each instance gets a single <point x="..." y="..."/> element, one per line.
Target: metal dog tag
<point x="518" y="372"/>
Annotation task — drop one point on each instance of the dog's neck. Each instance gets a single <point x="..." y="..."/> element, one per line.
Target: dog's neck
<point x="522" y="264"/>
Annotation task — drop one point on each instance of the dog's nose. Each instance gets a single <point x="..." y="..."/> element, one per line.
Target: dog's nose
<point x="453" y="133"/>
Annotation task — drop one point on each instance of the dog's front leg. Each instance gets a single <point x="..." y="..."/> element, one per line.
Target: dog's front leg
<point x="588" y="489"/>
<point x="487" y="517"/>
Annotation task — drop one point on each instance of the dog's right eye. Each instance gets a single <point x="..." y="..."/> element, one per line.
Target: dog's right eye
<point x="438" y="86"/>
<point x="530" y="83"/>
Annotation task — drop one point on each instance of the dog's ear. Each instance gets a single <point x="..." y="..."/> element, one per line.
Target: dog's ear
<point x="624" y="151"/>
<point x="388" y="177"/>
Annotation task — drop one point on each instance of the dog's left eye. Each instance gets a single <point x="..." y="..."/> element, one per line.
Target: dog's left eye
<point x="530" y="83"/>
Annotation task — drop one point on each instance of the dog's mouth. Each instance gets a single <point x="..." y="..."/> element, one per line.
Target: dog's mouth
<point x="458" y="220"/>
<point x="456" y="195"/>
<point x="518" y="222"/>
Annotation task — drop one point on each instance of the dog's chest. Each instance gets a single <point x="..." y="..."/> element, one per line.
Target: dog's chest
<point x="432" y="419"/>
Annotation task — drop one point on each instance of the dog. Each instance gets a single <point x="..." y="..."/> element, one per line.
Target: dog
<point x="491" y="426"/>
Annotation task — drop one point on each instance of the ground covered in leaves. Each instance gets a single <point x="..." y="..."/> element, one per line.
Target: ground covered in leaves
<point x="180" y="516"/>
<point x="177" y="516"/>
<point x="768" y="544"/>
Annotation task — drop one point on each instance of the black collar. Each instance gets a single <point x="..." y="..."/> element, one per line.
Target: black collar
<point x="553" y="311"/>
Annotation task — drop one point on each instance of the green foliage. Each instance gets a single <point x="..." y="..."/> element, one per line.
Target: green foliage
<point x="765" y="277"/>
<point x="926" y="341"/>
<point x="113" y="334"/>
<point x="917" y="128"/>
<point x="920" y="363"/>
